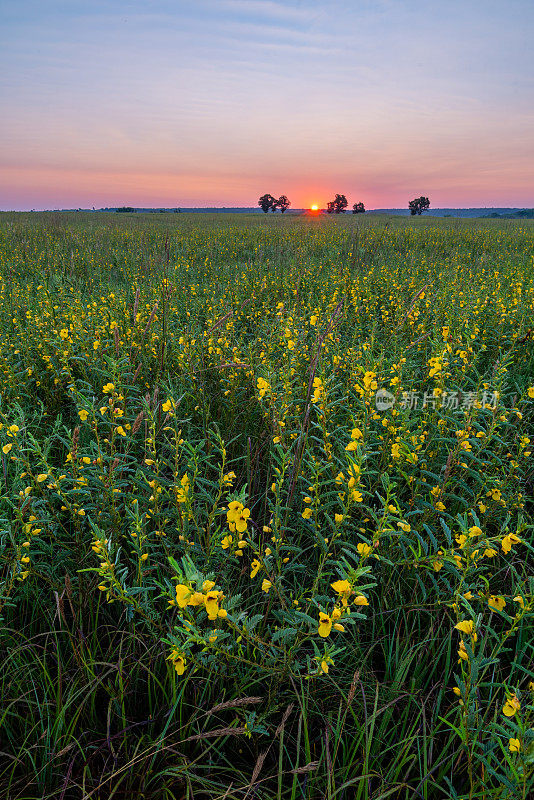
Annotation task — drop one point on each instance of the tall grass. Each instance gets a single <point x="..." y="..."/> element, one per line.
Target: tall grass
<point x="225" y="571"/>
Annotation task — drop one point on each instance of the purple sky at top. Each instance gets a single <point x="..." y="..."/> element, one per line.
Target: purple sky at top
<point x="214" y="102"/>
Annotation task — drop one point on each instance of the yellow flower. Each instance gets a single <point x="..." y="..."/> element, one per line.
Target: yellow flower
<point x="307" y="513"/>
<point x="360" y="600"/>
<point x="351" y="447"/>
<point x="531" y="392"/>
<point x="229" y="478"/>
<point x="514" y="745"/>
<point x="64" y="333"/>
<point x="238" y="515"/>
<point x="83" y="414"/>
<point x="338" y="518"/>
<point x="354" y="475"/>
<point x="182" y="493"/>
<point x="42" y="477"/>
<point x="466" y="626"/>
<point x="263" y="386"/>
<point x="211" y="603"/>
<point x="196" y="599"/>
<point x="266" y="585"/>
<point x="508" y="541"/>
<point x="475" y="531"/>
<point x="121" y="430"/>
<point x="356" y="496"/>
<point x="177" y="660"/>
<point x="325" y="625"/>
<point x="519" y="599"/>
<point x="405" y="526"/>
<point x="108" y="388"/>
<point x="395" y="450"/>
<point x="462" y="652"/>
<point x="226" y="542"/>
<point x="255" y="568"/>
<point x="167" y="405"/>
<point x="6" y="448"/>
<point x="356" y="434"/>
<point x="343" y="588"/>
<point x="208" y="586"/>
<point x="496" y="602"/>
<point x="364" y="549"/>
<point x="511" y="706"/>
<point x="183" y="594"/>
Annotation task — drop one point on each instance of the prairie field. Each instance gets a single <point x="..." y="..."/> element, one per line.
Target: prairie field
<point x="266" y="507"/>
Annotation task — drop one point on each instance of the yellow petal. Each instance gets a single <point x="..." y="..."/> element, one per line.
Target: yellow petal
<point x="360" y="600"/>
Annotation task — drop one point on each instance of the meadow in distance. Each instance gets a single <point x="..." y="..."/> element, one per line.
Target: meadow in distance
<point x="230" y="569"/>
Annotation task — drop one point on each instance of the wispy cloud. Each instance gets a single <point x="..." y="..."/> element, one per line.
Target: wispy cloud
<point x="268" y="9"/>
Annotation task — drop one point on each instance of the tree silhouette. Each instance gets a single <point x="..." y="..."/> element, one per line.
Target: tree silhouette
<point x="282" y="203"/>
<point x="266" y="202"/>
<point x="419" y="205"/>
<point x="337" y="205"/>
<point x="358" y="208"/>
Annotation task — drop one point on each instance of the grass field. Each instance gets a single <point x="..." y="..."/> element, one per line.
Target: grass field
<point x="228" y="568"/>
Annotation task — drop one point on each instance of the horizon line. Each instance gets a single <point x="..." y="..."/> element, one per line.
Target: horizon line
<point x="255" y="209"/>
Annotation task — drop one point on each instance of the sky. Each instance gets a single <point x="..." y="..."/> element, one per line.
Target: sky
<point x="215" y="102"/>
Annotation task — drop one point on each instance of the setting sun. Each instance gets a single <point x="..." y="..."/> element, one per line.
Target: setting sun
<point x="315" y="208"/>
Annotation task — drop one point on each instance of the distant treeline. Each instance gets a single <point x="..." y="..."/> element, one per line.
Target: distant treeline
<point x="524" y="213"/>
<point x="473" y="213"/>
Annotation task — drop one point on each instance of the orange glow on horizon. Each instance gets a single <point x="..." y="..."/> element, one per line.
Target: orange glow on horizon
<point x="314" y="208"/>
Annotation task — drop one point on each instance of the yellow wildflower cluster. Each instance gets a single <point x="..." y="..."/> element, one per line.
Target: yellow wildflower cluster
<point x="209" y="598"/>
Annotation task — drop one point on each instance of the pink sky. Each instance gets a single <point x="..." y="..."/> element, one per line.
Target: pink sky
<point x="216" y="102"/>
